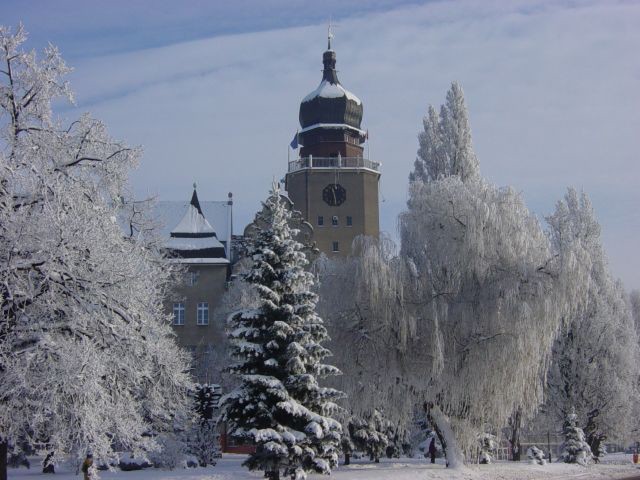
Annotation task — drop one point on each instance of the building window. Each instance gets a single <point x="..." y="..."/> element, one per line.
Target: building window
<point x="334" y="221"/>
<point x="192" y="278"/>
<point x="178" y="313"/>
<point x="320" y="220"/>
<point x="349" y="221"/>
<point x="203" y="313"/>
<point x="336" y="247"/>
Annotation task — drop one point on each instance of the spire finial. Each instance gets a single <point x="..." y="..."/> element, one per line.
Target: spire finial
<point x="330" y="33"/>
<point x="194" y="185"/>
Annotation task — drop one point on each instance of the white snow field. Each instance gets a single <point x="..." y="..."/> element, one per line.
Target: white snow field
<point x="616" y="466"/>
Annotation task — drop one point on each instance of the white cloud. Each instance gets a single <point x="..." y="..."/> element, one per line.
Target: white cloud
<point x="552" y="90"/>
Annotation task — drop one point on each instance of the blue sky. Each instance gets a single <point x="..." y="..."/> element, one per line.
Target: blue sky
<point x="211" y="90"/>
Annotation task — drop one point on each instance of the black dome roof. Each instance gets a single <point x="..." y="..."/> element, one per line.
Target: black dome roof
<point x="330" y="102"/>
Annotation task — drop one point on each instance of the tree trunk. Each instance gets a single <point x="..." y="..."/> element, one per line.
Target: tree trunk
<point x="442" y="427"/>
<point x="273" y="475"/>
<point x="594" y="437"/>
<point x="516" y="425"/>
<point x="4" y="452"/>
<point x="347" y="459"/>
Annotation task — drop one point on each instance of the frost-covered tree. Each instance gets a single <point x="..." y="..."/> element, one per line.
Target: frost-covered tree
<point x="445" y="143"/>
<point x="203" y="435"/>
<point x="536" y="456"/>
<point x="369" y="435"/>
<point x="488" y="446"/>
<point x="574" y="448"/>
<point x="462" y="318"/>
<point x="634" y="305"/>
<point x="595" y="357"/>
<point x="279" y="404"/>
<point x="87" y="356"/>
<point x="346" y="446"/>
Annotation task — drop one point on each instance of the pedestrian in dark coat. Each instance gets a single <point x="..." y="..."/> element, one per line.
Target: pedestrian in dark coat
<point x="433" y="450"/>
<point x="86" y="466"/>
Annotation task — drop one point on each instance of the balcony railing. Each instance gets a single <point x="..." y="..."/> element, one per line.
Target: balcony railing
<point x="332" y="163"/>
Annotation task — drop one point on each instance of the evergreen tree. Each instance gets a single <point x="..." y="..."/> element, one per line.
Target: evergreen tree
<point x="279" y="405"/>
<point x="203" y="437"/>
<point x="574" y="449"/>
<point x="347" y="446"/>
<point x="370" y="436"/>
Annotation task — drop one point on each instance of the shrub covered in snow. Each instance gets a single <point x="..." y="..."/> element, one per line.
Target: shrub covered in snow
<point x="488" y="447"/>
<point x="535" y="455"/>
<point x="129" y="462"/>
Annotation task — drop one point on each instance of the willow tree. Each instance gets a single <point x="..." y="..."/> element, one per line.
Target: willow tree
<point x="462" y="319"/>
<point x="595" y="356"/>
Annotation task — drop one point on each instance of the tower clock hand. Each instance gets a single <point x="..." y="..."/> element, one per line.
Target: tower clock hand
<point x="333" y="190"/>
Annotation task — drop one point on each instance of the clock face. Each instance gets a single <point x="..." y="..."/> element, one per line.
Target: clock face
<point x="334" y="194"/>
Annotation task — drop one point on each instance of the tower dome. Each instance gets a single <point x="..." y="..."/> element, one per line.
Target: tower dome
<point x="330" y="103"/>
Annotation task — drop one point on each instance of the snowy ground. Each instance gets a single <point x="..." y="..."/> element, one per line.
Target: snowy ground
<point x="229" y="467"/>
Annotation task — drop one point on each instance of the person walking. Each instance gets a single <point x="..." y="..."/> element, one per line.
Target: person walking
<point x="87" y="467"/>
<point x="433" y="450"/>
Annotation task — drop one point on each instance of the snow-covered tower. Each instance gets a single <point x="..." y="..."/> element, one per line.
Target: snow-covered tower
<point x="332" y="183"/>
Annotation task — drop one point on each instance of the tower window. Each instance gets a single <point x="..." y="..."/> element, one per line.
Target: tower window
<point x="334" y="221"/>
<point x="178" y="313"/>
<point x="336" y="247"/>
<point x="349" y="221"/>
<point x="203" y="313"/>
<point x="320" y="220"/>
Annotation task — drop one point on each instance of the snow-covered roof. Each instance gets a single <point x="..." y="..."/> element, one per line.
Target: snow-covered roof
<point x="170" y="213"/>
<point x="193" y="222"/>
<point x="190" y="243"/>
<point x="327" y="89"/>
<point x="200" y="261"/>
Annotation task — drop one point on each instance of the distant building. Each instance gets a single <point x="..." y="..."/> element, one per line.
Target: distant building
<point x="332" y="184"/>
<point x="197" y="235"/>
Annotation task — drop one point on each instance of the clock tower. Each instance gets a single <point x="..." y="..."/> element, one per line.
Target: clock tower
<point x="332" y="183"/>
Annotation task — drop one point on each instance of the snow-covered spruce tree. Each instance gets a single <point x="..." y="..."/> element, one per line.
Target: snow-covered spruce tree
<point x="87" y="357"/>
<point x="446" y="322"/>
<point x="574" y="448"/>
<point x="347" y="446"/>
<point x="595" y="357"/>
<point x="203" y="436"/>
<point x="370" y="435"/>
<point x="279" y="405"/>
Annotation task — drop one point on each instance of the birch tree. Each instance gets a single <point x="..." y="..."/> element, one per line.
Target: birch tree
<point x="87" y="357"/>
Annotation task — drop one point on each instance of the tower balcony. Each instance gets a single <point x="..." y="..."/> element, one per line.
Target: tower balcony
<point x="332" y="163"/>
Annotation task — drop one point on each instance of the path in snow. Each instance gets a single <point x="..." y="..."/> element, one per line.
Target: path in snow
<point x="617" y="466"/>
